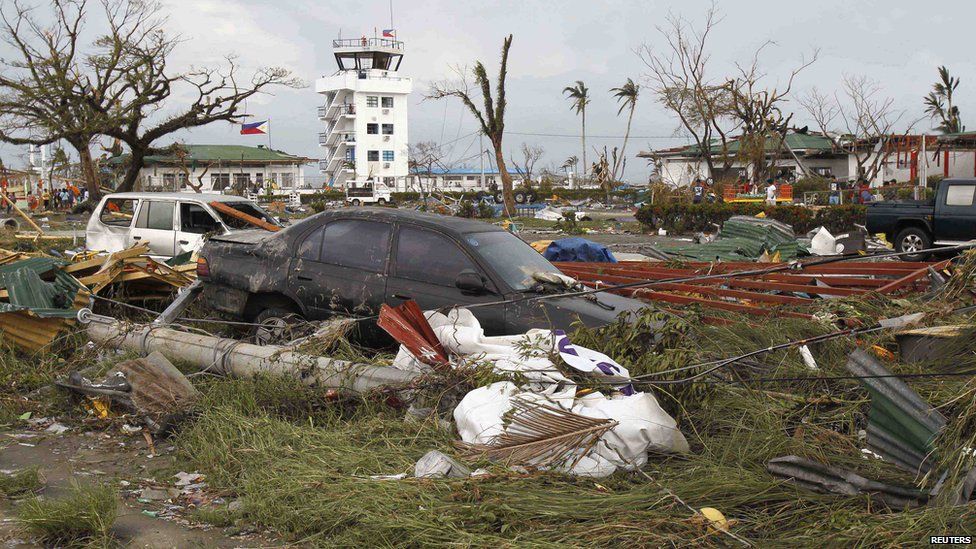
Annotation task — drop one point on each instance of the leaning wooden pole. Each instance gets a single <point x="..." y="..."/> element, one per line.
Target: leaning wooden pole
<point x="237" y="358"/>
<point x="21" y="213"/>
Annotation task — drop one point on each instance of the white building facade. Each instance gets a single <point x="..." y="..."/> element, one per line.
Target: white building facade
<point x="364" y="114"/>
<point x="220" y="168"/>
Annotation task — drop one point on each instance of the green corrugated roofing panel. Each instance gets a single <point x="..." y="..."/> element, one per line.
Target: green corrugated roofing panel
<point x="744" y="238"/>
<point x="39" y="265"/>
<point x="228" y="153"/>
<point x="27" y="291"/>
<point x="795" y="141"/>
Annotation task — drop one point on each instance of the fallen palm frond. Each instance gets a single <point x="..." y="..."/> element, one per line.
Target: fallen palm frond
<point x="541" y="435"/>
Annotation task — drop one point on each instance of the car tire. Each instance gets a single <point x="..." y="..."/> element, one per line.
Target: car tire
<point x="381" y="202"/>
<point x="273" y="326"/>
<point x="913" y="239"/>
<point x="520" y="197"/>
<point x="499" y="198"/>
<point x="356" y="203"/>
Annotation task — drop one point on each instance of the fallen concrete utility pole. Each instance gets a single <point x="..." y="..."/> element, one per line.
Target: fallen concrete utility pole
<point x="240" y="359"/>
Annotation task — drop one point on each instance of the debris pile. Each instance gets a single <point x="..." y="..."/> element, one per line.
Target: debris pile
<point x="40" y="294"/>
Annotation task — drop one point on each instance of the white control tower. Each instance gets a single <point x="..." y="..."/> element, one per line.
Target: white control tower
<point x="365" y="114"/>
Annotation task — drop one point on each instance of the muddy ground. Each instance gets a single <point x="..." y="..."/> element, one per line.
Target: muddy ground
<point x="107" y="454"/>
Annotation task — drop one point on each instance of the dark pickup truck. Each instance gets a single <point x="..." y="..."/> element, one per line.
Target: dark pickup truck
<point x="351" y="261"/>
<point x="914" y="225"/>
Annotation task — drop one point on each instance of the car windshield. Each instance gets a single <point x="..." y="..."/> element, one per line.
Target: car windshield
<point x="514" y="260"/>
<point x="244" y="208"/>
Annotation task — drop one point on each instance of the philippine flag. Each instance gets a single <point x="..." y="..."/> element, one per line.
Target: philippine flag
<point x="389" y="33"/>
<point x="255" y="128"/>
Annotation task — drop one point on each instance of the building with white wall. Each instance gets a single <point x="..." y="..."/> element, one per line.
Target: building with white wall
<point x="365" y="114"/>
<point x="216" y="168"/>
<point x="455" y="180"/>
<point x="679" y="166"/>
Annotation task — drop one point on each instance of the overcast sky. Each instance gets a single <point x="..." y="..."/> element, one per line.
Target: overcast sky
<point x="898" y="43"/>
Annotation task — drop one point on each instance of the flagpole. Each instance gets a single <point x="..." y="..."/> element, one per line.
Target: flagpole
<point x="269" y="132"/>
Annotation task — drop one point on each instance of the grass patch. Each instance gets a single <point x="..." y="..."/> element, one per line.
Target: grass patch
<point x="20" y="483"/>
<point x="82" y="517"/>
<point x="305" y="473"/>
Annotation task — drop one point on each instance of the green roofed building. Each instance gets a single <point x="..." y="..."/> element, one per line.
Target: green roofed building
<point x="793" y="156"/>
<point x="219" y="167"/>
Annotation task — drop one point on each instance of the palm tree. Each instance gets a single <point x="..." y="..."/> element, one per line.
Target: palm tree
<point x="627" y="97"/>
<point x="580" y="96"/>
<point x="938" y="103"/>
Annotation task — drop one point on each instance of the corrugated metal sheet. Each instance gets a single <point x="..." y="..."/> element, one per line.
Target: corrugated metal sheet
<point x="29" y="332"/>
<point x="901" y="426"/>
<point x="744" y="237"/>
<point x="37" y="309"/>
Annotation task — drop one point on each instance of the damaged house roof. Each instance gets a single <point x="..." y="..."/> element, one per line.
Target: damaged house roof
<point x="801" y="143"/>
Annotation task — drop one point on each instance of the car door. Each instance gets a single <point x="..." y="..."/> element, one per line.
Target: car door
<point x="953" y="220"/>
<point x="154" y="225"/>
<point x="426" y="264"/>
<point x="194" y="221"/>
<point x="342" y="266"/>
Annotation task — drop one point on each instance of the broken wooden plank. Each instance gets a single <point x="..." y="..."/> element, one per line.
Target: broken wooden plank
<point x="225" y="209"/>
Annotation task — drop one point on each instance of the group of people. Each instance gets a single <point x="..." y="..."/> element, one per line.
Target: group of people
<point x="45" y="198"/>
<point x="64" y="198"/>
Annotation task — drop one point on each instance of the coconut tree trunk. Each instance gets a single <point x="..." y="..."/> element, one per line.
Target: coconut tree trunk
<point x="507" y="193"/>
<point x="623" y="149"/>
<point x="583" y="112"/>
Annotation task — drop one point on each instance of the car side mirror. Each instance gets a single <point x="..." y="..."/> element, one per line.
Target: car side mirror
<point x="470" y="282"/>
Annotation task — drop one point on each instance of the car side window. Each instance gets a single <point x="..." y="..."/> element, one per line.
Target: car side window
<point x="156" y="215"/>
<point x="426" y="256"/>
<point x="195" y="219"/>
<point x="960" y="195"/>
<point x="118" y="212"/>
<point x="357" y="243"/>
<point x="311" y="246"/>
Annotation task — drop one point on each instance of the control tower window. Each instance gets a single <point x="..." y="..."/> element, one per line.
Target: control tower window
<point x="387" y="102"/>
<point x="372" y="101"/>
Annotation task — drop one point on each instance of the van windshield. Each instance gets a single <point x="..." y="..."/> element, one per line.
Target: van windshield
<point x="510" y="257"/>
<point x="245" y="208"/>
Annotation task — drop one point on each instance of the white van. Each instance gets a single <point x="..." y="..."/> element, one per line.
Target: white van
<point x="171" y="223"/>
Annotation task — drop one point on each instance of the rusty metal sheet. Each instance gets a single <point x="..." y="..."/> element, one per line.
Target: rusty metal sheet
<point x="28" y="331"/>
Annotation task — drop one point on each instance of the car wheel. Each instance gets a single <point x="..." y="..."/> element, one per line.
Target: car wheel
<point x="356" y="203"/>
<point x="381" y="202"/>
<point x="913" y="239"/>
<point x="499" y="198"/>
<point x="274" y="326"/>
<point x="520" y="197"/>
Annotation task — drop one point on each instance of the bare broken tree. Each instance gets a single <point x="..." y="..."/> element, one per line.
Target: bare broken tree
<point x="55" y="88"/>
<point x="146" y="87"/>
<point x="859" y="120"/>
<point x="492" y="119"/>
<point x="679" y="78"/>
<point x="530" y="156"/>
<point x="44" y="95"/>
<point x="426" y="158"/>
<point x="757" y="111"/>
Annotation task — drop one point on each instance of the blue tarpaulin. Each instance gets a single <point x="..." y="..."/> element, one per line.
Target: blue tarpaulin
<point x="578" y="249"/>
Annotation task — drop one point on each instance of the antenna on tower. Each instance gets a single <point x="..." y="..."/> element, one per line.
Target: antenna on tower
<point x="392" y="26"/>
